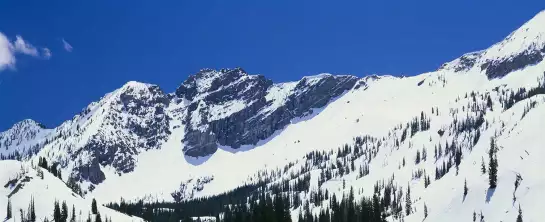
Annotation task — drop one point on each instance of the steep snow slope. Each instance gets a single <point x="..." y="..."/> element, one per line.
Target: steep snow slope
<point x="375" y="110"/>
<point x="525" y="46"/>
<point x="520" y="154"/>
<point x="21" y="183"/>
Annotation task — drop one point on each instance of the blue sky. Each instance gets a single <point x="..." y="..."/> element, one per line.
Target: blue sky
<point x="163" y="42"/>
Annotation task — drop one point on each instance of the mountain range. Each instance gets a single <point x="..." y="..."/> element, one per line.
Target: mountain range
<point x="223" y="129"/>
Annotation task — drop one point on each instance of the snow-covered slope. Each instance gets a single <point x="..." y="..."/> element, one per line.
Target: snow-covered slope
<point x="225" y="128"/>
<point x="525" y="46"/>
<point x="22" y="139"/>
<point x="21" y="182"/>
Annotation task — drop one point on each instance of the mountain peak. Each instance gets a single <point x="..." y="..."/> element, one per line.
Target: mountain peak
<point x="21" y="133"/>
<point x="529" y="37"/>
<point x="523" y="47"/>
<point x="209" y="80"/>
<point x="28" y="123"/>
<point x="136" y="85"/>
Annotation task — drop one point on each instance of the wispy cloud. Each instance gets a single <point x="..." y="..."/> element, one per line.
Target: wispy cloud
<point x="9" y="49"/>
<point x="20" y="46"/>
<point x="66" y="46"/>
<point x="46" y="53"/>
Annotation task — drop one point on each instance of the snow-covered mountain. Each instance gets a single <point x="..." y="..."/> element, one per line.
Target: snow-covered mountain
<point x="222" y="129"/>
<point x="22" y="183"/>
<point x="20" y="138"/>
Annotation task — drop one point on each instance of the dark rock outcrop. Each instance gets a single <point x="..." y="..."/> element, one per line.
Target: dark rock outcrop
<point x="464" y="63"/>
<point x="252" y="123"/>
<point x="138" y="111"/>
<point x="500" y="68"/>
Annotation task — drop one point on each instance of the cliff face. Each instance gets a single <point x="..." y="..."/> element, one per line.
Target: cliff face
<point x="232" y="108"/>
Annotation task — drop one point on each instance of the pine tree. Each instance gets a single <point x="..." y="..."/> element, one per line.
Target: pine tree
<point x="64" y="212"/>
<point x="94" y="208"/>
<point x="425" y="211"/>
<point x="465" y="188"/>
<point x="32" y="210"/>
<point x="493" y="165"/>
<point x="98" y="218"/>
<point x="519" y="217"/>
<point x="483" y="166"/>
<point x="73" y="218"/>
<point x="408" y="204"/>
<point x="57" y="212"/>
<point x="351" y="209"/>
<point x="23" y="219"/>
<point x="474" y="216"/>
<point x="457" y="159"/>
<point x="424" y="154"/>
<point x="9" y="212"/>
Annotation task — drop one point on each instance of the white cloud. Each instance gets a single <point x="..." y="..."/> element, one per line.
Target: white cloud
<point x="9" y="49"/>
<point x="7" y="57"/>
<point x="46" y="53"/>
<point x="66" y="46"/>
<point x="20" y="46"/>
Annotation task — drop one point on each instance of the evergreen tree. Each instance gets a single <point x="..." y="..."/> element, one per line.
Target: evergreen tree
<point x="457" y="159"/>
<point x="425" y="211"/>
<point x="57" y="212"/>
<point x="351" y="209"/>
<point x="424" y="154"/>
<point x="64" y="212"/>
<point x="465" y="188"/>
<point x="32" y="211"/>
<point x="73" y="218"/>
<point x="376" y="209"/>
<point x="483" y="166"/>
<point x="88" y="218"/>
<point x="23" y="219"/>
<point x="493" y="165"/>
<point x="98" y="218"/>
<point x="408" y="204"/>
<point x="519" y="217"/>
<point x="94" y="208"/>
<point x="9" y="212"/>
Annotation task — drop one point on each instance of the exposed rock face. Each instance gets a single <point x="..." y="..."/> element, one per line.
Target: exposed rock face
<point x="500" y="68"/>
<point x="132" y="119"/>
<point x="232" y="108"/>
<point x="464" y="63"/>
<point x="226" y="107"/>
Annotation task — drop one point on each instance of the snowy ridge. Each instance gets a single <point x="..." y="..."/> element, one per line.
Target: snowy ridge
<point x="530" y="36"/>
<point x="26" y="183"/>
<point x="524" y="46"/>
<point x="22" y="138"/>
